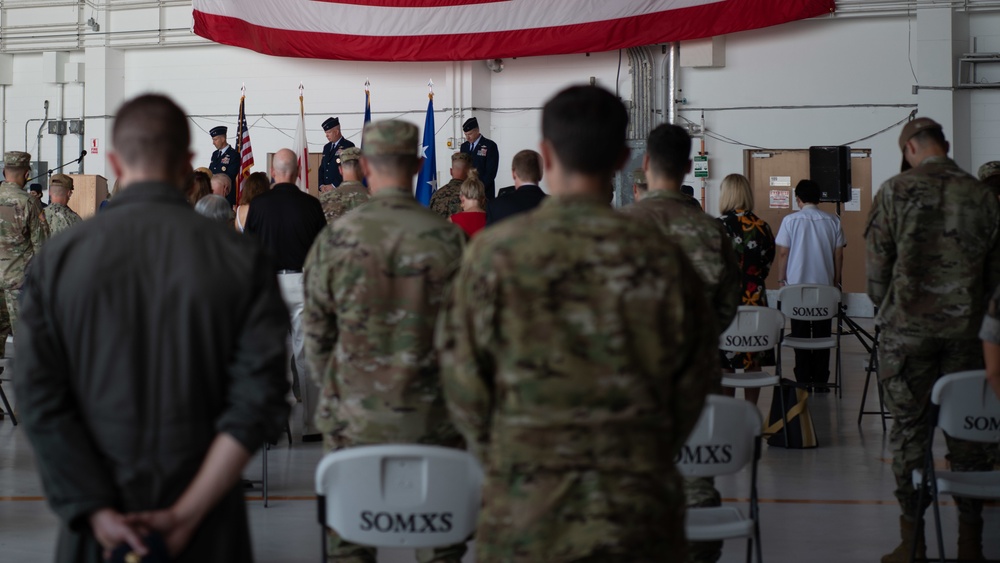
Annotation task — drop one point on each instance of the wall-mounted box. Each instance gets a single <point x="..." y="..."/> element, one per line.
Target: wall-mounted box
<point x="704" y="53"/>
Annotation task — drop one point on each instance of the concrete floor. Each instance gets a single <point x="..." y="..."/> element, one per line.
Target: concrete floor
<point x="830" y="504"/>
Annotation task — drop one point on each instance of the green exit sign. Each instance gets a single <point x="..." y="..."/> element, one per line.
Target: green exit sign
<point x="701" y="166"/>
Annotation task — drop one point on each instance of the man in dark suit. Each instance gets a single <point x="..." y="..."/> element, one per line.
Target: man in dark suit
<point x="526" y="195"/>
<point x="485" y="155"/>
<point x="225" y="159"/>
<point x="286" y="221"/>
<point x="329" y="168"/>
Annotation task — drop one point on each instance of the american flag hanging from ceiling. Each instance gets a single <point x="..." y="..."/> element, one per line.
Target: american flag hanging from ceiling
<point x="450" y="30"/>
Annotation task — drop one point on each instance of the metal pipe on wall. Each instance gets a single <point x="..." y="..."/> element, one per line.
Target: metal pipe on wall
<point x="672" y="63"/>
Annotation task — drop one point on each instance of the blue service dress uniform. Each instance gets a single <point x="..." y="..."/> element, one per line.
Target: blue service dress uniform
<point x="227" y="161"/>
<point x="329" y="169"/>
<point x="486" y="159"/>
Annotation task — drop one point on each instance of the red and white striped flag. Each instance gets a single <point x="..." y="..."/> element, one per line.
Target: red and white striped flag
<point x="457" y="30"/>
<point x="302" y="145"/>
<point x="244" y="149"/>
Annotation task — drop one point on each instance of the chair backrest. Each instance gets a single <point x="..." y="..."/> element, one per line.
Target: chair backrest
<point x="724" y="440"/>
<point x="969" y="409"/>
<point x="755" y="329"/>
<point x="408" y="496"/>
<point x="808" y="302"/>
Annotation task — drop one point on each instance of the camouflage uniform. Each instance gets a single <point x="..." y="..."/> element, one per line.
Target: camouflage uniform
<point x="375" y="281"/>
<point x="346" y="196"/>
<point x="574" y="362"/>
<point x="59" y="217"/>
<point x="445" y="201"/>
<point x="705" y="242"/>
<point x="989" y="174"/>
<point x="23" y="229"/>
<point x="933" y="251"/>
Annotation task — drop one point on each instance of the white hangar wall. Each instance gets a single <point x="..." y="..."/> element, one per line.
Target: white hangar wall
<point x="822" y="81"/>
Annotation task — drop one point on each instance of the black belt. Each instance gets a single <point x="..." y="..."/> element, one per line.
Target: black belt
<point x="280" y="272"/>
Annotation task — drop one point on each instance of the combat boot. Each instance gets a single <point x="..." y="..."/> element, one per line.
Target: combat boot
<point x="907" y="528"/>
<point x="970" y="539"/>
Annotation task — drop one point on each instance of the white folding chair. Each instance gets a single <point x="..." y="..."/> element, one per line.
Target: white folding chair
<point x="965" y="407"/>
<point x="808" y="302"/>
<point x="725" y="440"/>
<point x="399" y="495"/>
<point x="754" y="329"/>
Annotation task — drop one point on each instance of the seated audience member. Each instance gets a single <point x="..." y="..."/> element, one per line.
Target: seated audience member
<point x="256" y="184"/>
<point x="574" y="360"/>
<point x="220" y="184"/>
<point x="472" y="218"/>
<point x="445" y="201"/>
<point x="215" y="207"/>
<point x="526" y="168"/>
<point x="199" y="186"/>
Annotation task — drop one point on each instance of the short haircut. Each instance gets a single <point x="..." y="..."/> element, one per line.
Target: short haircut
<point x="255" y="184"/>
<point x="58" y="189"/>
<point x="527" y="164"/>
<point x="214" y="207"/>
<point x="473" y="188"/>
<point x="461" y="161"/>
<point x="393" y="163"/>
<point x="585" y="126"/>
<point x="221" y="179"/>
<point x="354" y="165"/>
<point x="152" y="132"/>
<point x="735" y="193"/>
<point x="808" y="191"/>
<point x="669" y="150"/>
<point x="931" y="135"/>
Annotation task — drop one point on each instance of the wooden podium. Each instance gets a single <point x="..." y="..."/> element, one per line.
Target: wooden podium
<point x="89" y="190"/>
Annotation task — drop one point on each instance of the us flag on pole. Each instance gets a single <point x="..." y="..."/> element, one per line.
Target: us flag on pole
<point x="463" y="30"/>
<point x="244" y="149"/>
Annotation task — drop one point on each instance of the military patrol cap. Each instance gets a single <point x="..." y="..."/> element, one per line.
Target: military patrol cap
<point x="35" y="188"/>
<point x="391" y="138"/>
<point x="916" y="126"/>
<point x="639" y="176"/>
<point x="330" y="123"/>
<point x="470" y="124"/>
<point x="17" y="159"/>
<point x="352" y="153"/>
<point x="989" y="170"/>
<point x="221" y="130"/>
<point x="63" y="180"/>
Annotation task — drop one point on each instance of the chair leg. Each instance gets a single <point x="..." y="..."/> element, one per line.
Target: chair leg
<point x="864" y="392"/>
<point x="937" y="519"/>
<point x="267" y="448"/>
<point x="6" y="406"/>
<point x="749" y="549"/>
<point x="784" y="413"/>
<point x="288" y="432"/>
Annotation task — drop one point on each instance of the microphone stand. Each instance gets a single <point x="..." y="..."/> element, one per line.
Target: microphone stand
<point x="57" y="168"/>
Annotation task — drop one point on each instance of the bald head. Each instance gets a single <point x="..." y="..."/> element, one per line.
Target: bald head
<point x="285" y="166"/>
<point x="221" y="185"/>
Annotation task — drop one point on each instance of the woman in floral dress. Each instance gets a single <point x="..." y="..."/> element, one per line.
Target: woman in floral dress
<point x="754" y="244"/>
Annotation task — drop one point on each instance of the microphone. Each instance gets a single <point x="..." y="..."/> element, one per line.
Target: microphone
<point x="83" y="154"/>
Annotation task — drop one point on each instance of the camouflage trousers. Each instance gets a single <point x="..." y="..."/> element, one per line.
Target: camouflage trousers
<point x="580" y="514"/>
<point x="341" y="551"/>
<point x="908" y="367"/>
<point x="701" y="492"/>
<point x="9" y="324"/>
